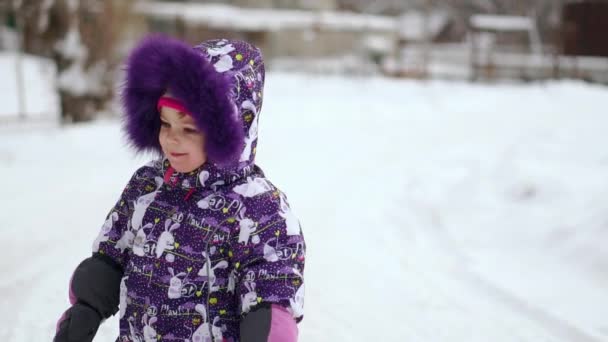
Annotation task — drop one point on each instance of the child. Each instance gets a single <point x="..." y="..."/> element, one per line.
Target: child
<point x="200" y="246"/>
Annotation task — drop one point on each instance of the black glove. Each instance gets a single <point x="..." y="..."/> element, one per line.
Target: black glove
<point x="80" y="324"/>
<point x="96" y="285"/>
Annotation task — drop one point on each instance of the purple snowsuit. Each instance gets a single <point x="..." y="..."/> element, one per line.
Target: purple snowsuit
<point x="200" y="249"/>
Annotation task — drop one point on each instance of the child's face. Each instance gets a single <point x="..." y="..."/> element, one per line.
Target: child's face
<point x="181" y="141"/>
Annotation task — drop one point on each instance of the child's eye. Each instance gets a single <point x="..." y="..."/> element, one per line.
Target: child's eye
<point x="164" y="124"/>
<point x="190" y="130"/>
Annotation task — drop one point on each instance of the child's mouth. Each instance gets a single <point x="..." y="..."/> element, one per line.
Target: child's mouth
<point x="175" y="155"/>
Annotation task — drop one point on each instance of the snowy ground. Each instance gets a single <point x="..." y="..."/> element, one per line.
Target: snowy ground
<point x="432" y="211"/>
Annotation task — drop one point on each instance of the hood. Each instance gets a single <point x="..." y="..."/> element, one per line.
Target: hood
<point x="219" y="81"/>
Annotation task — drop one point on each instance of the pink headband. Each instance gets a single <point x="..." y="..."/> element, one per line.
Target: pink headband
<point x="165" y="101"/>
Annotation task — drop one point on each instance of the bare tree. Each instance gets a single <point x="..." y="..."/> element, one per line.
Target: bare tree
<point x="81" y="37"/>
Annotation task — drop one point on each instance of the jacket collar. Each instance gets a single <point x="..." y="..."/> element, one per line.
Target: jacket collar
<point x="207" y="176"/>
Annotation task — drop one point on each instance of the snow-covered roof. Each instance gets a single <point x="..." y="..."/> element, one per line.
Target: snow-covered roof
<point x="412" y="24"/>
<point x="257" y="19"/>
<point x="501" y="23"/>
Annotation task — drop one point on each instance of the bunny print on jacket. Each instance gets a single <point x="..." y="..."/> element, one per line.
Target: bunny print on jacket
<point x="205" y="257"/>
<point x="201" y="249"/>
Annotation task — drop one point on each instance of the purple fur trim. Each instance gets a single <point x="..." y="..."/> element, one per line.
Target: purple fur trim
<point x="159" y="63"/>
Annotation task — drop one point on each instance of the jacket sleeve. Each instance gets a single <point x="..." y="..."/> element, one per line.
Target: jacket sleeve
<point x="95" y="282"/>
<point x="115" y="237"/>
<point x="268" y="253"/>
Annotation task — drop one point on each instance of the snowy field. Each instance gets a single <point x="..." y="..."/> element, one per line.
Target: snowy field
<point x="433" y="211"/>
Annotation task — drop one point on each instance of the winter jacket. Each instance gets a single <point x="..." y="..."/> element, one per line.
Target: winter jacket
<point x="199" y="251"/>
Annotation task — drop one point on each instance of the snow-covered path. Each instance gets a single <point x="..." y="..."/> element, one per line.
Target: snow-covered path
<point x="432" y="211"/>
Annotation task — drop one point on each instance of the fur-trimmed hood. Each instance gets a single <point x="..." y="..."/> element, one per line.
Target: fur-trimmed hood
<point x="219" y="81"/>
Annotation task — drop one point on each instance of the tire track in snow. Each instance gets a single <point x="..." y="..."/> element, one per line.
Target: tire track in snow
<point x="435" y="233"/>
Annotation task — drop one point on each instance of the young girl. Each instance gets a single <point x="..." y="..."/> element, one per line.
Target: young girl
<point x="200" y="246"/>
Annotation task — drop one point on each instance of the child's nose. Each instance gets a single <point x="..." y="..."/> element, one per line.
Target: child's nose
<point x="173" y="136"/>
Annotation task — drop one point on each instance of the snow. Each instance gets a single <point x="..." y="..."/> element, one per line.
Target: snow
<point x="412" y="25"/>
<point x="433" y="211"/>
<point x="78" y="81"/>
<point x="75" y="79"/>
<point x="355" y="21"/>
<point x="502" y="22"/>
<point x="255" y="19"/>
<point x="379" y="44"/>
<point x="221" y="16"/>
<point x="39" y="77"/>
<point x="71" y="45"/>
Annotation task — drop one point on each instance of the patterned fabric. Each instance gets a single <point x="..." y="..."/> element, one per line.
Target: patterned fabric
<point x="203" y="248"/>
<point x="199" y="251"/>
